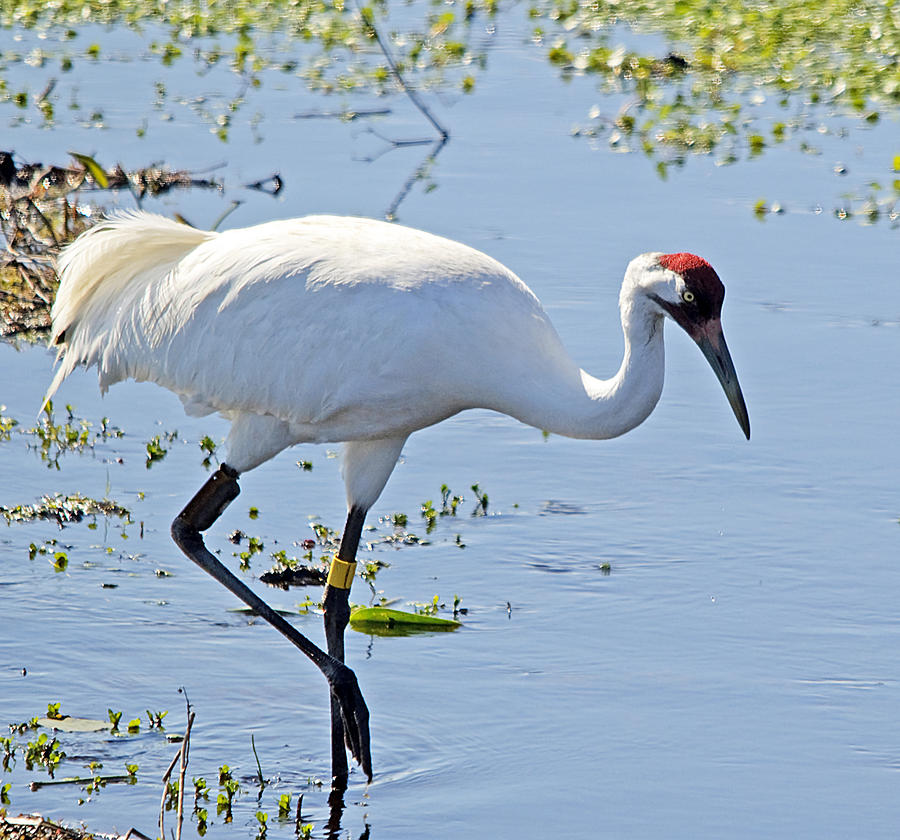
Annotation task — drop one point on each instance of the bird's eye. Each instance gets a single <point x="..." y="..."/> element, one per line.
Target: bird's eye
<point x="687" y="297"/>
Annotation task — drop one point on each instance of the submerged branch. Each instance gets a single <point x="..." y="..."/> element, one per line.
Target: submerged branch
<point x="368" y="19"/>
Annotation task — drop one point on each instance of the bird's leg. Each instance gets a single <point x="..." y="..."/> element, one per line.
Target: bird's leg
<point x="336" y="604"/>
<point x="198" y="515"/>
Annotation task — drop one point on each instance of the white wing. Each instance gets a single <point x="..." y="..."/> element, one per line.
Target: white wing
<point x="341" y="328"/>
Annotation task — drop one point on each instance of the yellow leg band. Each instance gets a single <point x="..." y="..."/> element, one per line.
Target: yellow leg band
<point x="341" y="574"/>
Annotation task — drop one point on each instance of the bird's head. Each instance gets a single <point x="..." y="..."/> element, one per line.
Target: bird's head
<point x="687" y="289"/>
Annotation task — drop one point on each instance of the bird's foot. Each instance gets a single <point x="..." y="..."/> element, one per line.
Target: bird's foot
<point x="355" y="716"/>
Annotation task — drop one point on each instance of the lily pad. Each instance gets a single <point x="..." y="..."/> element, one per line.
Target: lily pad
<point x="381" y="621"/>
<point x="74" y="724"/>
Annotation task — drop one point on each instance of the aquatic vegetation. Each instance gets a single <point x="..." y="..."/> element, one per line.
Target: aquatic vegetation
<point x="155" y="450"/>
<point x="229" y="787"/>
<point x="171" y="795"/>
<point x="481" y="501"/>
<point x="330" y="45"/>
<point x="430" y="608"/>
<point x="22" y="727"/>
<point x="44" y="751"/>
<point x="201" y="788"/>
<point x="254" y="546"/>
<point x="327" y="538"/>
<point x="722" y="60"/>
<point x="282" y="561"/>
<point x="60" y="561"/>
<point x="261" y="818"/>
<point x="208" y="445"/>
<point x="7" y="744"/>
<point x="58" y="438"/>
<point x="449" y="504"/>
<point x="371" y="568"/>
<point x="383" y="621"/>
<point x="690" y="72"/>
<point x="155" y="719"/>
<point x="72" y="435"/>
<point x="430" y="515"/>
<point x="7" y="424"/>
<point x="64" y="510"/>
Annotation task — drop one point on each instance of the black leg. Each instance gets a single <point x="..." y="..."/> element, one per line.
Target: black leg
<point x="198" y="515"/>
<point x="336" y="604"/>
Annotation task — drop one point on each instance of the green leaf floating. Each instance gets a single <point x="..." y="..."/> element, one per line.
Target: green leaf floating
<point x="94" y="169"/>
<point x="381" y="621"/>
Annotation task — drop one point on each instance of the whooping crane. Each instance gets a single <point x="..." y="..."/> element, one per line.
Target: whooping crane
<point x="327" y="329"/>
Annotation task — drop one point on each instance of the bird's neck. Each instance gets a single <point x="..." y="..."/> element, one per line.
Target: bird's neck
<point x="606" y="408"/>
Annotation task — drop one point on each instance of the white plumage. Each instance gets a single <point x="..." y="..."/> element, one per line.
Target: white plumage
<point x="343" y="329"/>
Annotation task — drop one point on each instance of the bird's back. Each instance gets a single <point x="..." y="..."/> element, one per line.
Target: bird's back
<point x="344" y="328"/>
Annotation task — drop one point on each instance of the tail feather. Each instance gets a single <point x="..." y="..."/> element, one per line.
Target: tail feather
<point x="125" y="251"/>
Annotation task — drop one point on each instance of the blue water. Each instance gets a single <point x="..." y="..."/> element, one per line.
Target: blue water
<point x="736" y="672"/>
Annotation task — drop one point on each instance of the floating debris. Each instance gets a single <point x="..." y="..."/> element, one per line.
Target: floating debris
<point x="285" y="577"/>
<point x="33" y="827"/>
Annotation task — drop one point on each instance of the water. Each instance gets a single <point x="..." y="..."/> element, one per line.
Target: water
<point x="736" y="672"/>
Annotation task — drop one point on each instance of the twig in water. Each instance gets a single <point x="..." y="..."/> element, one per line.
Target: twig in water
<point x="395" y="144"/>
<point x="349" y="115"/>
<point x="274" y="179"/>
<point x="259" y="775"/>
<point x="162" y="801"/>
<point x="420" y="172"/>
<point x="80" y="780"/>
<point x="181" y="755"/>
<point x="185" y="748"/>
<point x="47" y="91"/>
<point x="234" y="206"/>
<point x="368" y="19"/>
<point x="133" y="832"/>
<point x="299" y="819"/>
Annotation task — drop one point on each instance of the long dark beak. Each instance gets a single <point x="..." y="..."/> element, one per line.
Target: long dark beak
<point x="711" y="341"/>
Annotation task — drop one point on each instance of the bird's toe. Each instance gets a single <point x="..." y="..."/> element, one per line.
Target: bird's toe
<point x="355" y="715"/>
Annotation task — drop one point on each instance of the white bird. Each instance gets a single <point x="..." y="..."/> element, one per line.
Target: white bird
<point x="333" y="329"/>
